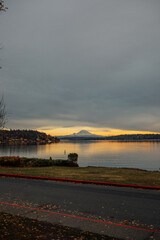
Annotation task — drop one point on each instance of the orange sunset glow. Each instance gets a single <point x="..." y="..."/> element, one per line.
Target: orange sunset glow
<point x="60" y="131"/>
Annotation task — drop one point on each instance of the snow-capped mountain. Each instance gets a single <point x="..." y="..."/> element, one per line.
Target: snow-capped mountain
<point x="82" y="134"/>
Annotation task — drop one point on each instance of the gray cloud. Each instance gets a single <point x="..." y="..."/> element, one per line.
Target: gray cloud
<point x="88" y="62"/>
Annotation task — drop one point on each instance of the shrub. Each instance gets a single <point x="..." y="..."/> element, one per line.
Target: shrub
<point x="73" y="157"/>
<point x="12" y="161"/>
<point x="64" y="163"/>
<point x="35" y="162"/>
<point x="59" y="162"/>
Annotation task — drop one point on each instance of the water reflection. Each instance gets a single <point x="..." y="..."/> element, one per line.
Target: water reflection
<point x="18" y="150"/>
<point x="144" y="155"/>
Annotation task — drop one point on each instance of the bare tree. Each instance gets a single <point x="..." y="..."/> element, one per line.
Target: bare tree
<point x="2" y="104"/>
<point x="2" y="113"/>
<point x="2" y="6"/>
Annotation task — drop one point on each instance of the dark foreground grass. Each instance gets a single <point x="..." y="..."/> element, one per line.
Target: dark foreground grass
<point x="114" y="175"/>
<point x="20" y="228"/>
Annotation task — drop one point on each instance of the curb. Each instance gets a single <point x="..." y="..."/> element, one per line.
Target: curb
<point x="79" y="181"/>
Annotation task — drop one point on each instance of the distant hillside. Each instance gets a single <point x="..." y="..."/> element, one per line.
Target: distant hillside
<point x="135" y="137"/>
<point x="82" y="135"/>
<point x="25" y="137"/>
<point x="85" y="135"/>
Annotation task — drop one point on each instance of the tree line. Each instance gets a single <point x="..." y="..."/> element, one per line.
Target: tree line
<point x="135" y="137"/>
<point x="25" y="137"/>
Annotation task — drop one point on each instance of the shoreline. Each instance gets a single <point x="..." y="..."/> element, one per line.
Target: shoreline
<point x="76" y="140"/>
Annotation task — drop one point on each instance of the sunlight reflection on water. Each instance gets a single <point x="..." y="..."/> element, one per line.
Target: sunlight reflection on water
<point x="143" y="155"/>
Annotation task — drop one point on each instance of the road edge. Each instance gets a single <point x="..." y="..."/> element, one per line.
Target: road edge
<point x="79" y="181"/>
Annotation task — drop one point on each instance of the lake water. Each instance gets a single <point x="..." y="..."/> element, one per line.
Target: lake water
<point x="143" y="155"/>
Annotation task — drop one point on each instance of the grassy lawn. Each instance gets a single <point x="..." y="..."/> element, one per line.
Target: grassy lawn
<point x="115" y="175"/>
<point x="29" y="229"/>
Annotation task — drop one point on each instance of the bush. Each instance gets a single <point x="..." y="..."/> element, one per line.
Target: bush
<point x="24" y="162"/>
<point x="64" y="163"/>
<point x="12" y="161"/>
<point x="73" y="157"/>
<point x="59" y="162"/>
<point x="35" y="162"/>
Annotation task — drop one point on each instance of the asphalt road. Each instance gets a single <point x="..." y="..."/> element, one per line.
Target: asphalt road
<point x="136" y="208"/>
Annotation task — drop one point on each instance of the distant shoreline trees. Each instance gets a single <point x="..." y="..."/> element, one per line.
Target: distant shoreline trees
<point x="16" y="137"/>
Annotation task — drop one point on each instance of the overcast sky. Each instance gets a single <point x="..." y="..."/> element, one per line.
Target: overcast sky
<point x="81" y="63"/>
